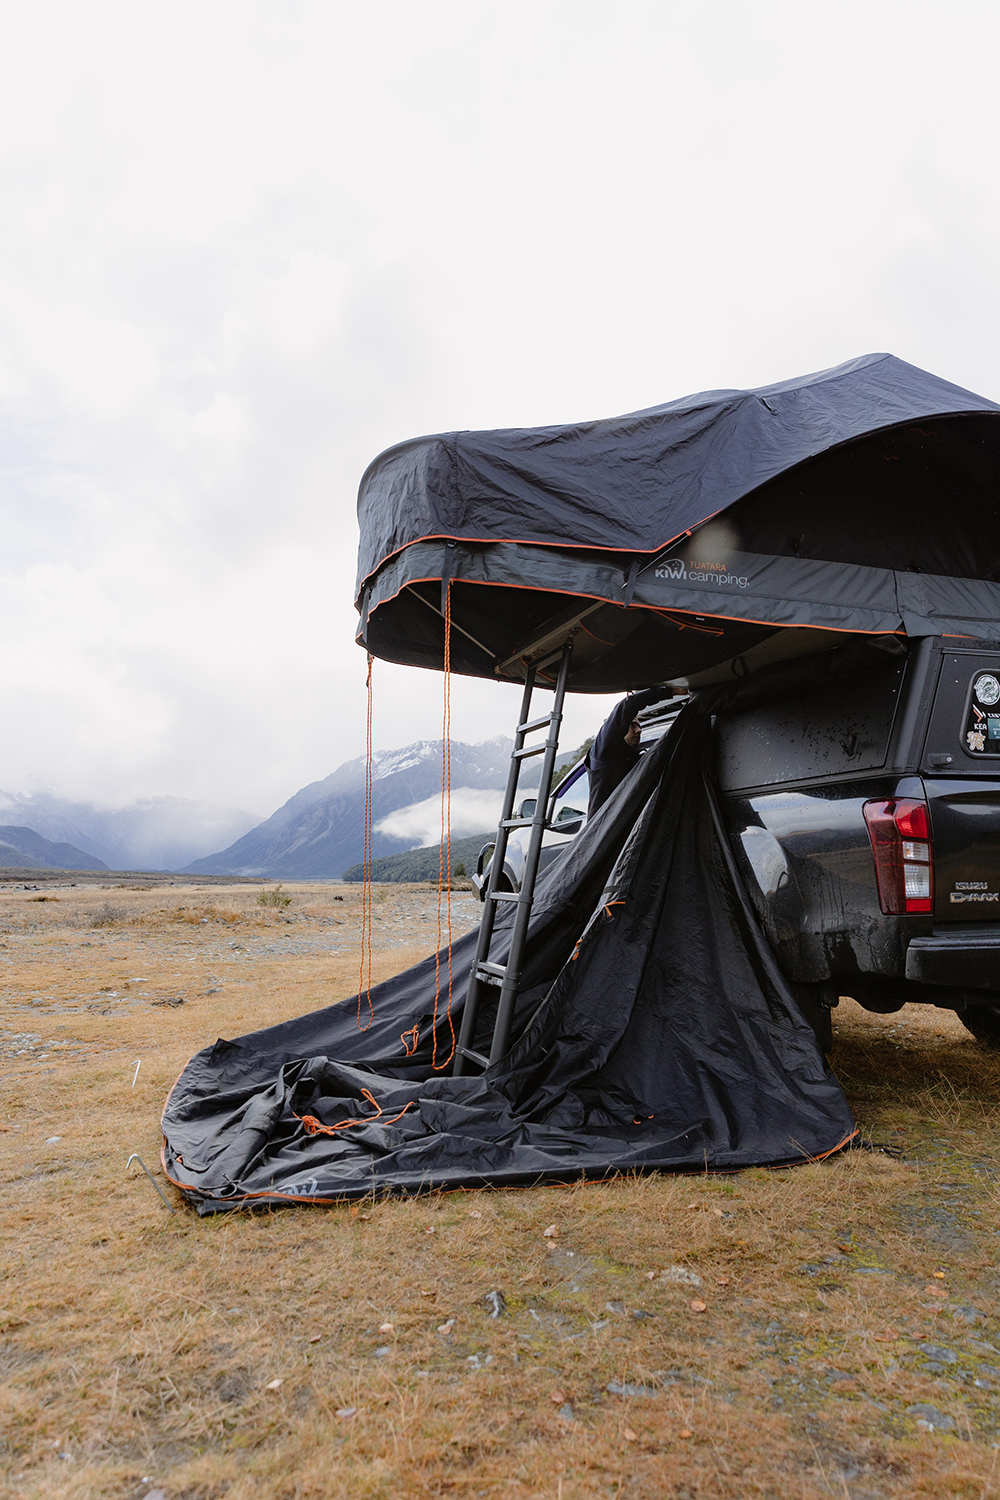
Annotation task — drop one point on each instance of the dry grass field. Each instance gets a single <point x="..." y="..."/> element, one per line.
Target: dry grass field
<point x="832" y="1330"/>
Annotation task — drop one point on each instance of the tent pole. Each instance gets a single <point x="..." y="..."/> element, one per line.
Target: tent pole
<point x="470" y="1013"/>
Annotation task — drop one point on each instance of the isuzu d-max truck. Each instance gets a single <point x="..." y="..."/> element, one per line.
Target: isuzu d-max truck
<point x="860" y="787"/>
<point x="861" y="791"/>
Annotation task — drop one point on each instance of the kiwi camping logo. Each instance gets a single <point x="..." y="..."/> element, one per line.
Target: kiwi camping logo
<point x="700" y="572"/>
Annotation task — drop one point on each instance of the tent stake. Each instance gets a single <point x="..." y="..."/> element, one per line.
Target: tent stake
<point x="136" y="1157"/>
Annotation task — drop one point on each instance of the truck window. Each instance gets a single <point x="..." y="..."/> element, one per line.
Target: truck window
<point x="827" y="730"/>
<point x="571" y="799"/>
<point x="965" y="720"/>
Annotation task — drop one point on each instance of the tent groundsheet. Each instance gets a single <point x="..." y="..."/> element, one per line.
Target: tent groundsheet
<point x="654" y="1032"/>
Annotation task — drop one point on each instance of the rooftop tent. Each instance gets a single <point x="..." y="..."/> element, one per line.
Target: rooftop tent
<point x="864" y="498"/>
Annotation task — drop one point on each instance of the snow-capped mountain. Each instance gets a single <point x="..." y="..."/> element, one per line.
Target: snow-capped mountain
<point x="319" y="832"/>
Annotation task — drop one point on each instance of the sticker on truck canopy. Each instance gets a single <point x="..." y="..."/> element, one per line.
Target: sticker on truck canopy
<point x="980" y="727"/>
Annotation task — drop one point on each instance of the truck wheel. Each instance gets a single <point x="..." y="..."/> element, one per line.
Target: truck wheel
<point x="816" y="1013"/>
<point x="984" y="1023"/>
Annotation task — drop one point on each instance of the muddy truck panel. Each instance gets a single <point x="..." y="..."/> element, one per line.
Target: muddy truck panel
<point x="865" y="814"/>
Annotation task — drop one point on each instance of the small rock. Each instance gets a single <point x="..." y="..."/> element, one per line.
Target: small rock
<point x="557" y="1397"/>
<point x="630" y="1436"/>
<point x="50" y="1140"/>
<point x="383" y="1351"/>
<point x="965" y="1314"/>
<point x="155" y="1495"/>
<point x="446" y="1327"/>
<point x="935" y="1351"/>
<point x="617" y="1307"/>
<point x="548" y="1234"/>
<point x="930" y="1419"/>
<point x="275" y="1385"/>
<point x="697" y="1306"/>
<point x="345" y="1413"/>
<point x="627" y="1388"/>
<point x="680" y="1274"/>
<point x="386" y="1328"/>
<point x="497" y="1304"/>
<point x="566" y="1412"/>
<point x="639" y="1313"/>
<point x="774" y="1328"/>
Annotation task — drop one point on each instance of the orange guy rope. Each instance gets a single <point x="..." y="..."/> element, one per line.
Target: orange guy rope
<point x="366" y="885"/>
<point x="444" y="862"/>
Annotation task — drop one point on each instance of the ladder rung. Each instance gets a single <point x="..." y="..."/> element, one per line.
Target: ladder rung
<point x="528" y="750"/>
<point x="489" y="979"/>
<point x="504" y="896"/>
<point x="487" y="968"/>
<point x="530" y="823"/>
<point x="476" y="1057"/>
<point x="534" y="724"/>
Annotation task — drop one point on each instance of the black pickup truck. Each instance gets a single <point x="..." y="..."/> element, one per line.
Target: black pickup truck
<point x="861" y="791"/>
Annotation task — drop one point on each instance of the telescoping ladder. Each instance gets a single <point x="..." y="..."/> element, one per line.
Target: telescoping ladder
<point x="507" y="977"/>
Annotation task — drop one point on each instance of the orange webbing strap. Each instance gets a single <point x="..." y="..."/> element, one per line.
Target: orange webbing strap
<point x="444" y="861"/>
<point x="312" y="1126"/>
<point x="366" y="883"/>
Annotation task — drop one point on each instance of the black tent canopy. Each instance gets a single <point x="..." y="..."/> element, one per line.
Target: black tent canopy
<point x="864" y="498"/>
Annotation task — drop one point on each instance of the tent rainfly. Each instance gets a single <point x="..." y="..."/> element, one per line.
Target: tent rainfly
<point x="864" y="498"/>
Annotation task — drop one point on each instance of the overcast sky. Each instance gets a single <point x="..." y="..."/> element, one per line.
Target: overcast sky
<point x="245" y="246"/>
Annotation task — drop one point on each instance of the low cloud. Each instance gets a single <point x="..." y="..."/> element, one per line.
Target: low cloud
<point x="472" y="811"/>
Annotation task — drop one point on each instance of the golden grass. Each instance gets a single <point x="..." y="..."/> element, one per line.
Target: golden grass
<point x="140" y="1350"/>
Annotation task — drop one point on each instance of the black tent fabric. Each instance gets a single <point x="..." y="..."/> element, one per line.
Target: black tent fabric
<point x="862" y="498"/>
<point x="654" y="1032"/>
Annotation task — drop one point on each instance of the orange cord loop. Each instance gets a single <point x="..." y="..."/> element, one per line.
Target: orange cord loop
<point x="312" y="1126"/>
<point x="366" y="883"/>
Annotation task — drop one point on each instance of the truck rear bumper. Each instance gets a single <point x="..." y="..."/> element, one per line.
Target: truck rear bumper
<point x="965" y="960"/>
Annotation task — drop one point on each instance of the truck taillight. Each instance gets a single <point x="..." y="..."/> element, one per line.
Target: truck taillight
<point x="904" y="863"/>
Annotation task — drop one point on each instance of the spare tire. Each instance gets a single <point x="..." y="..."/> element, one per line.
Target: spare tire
<point x="984" y="1023"/>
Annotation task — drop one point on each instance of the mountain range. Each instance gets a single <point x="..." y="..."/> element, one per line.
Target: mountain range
<point x="23" y="848"/>
<point x="156" y="833"/>
<point x="316" y="835"/>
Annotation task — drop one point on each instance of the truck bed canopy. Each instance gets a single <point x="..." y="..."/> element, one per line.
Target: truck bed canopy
<point x="863" y="498"/>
